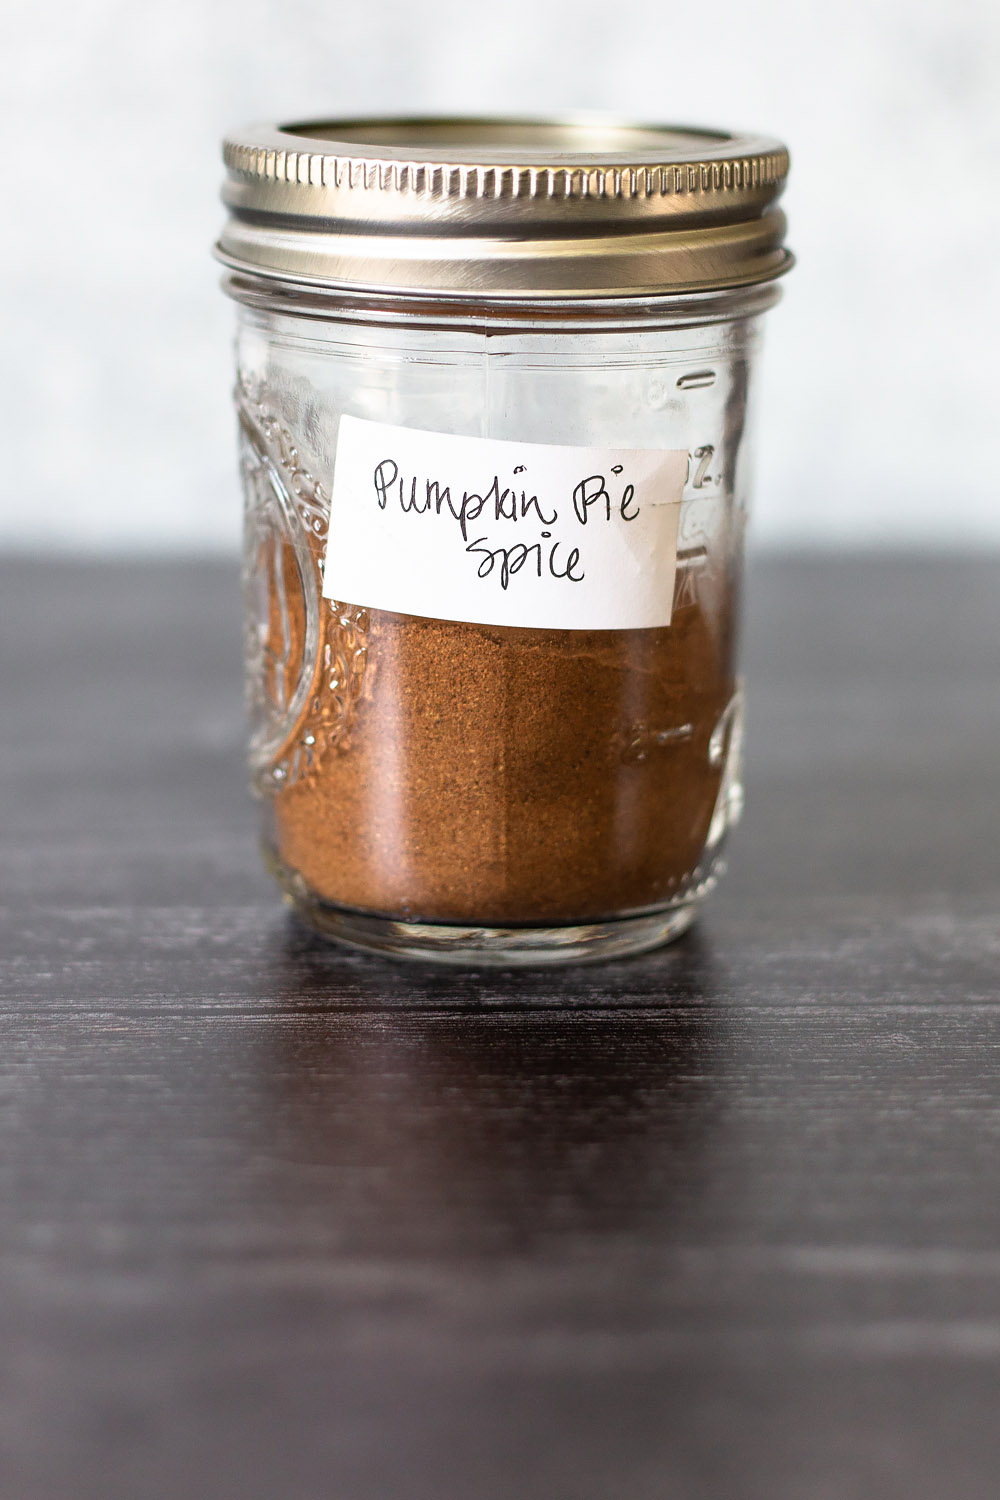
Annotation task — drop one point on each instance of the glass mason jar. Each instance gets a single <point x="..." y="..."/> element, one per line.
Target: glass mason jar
<point x="493" y="386"/>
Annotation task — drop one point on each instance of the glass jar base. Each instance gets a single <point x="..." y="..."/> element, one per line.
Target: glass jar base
<point x="492" y="947"/>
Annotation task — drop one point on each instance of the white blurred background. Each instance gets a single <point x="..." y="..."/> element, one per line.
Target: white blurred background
<point x="881" y="389"/>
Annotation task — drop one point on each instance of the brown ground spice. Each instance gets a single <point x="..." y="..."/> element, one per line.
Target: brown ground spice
<point x="474" y="774"/>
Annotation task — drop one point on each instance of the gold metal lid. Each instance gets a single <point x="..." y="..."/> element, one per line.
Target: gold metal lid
<point x="484" y="208"/>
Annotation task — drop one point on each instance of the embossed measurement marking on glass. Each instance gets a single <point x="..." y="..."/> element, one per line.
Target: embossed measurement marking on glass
<point x="695" y="380"/>
<point x="704" y="457"/>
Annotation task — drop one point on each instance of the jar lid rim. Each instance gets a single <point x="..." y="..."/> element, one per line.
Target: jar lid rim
<point x="465" y="205"/>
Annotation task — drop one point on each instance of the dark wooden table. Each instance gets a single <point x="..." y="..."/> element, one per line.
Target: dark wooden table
<point x="282" y="1222"/>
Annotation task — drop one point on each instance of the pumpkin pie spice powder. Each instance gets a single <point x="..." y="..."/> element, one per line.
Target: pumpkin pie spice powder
<point x="492" y="775"/>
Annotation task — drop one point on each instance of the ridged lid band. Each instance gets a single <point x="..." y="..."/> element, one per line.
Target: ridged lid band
<point x="507" y="209"/>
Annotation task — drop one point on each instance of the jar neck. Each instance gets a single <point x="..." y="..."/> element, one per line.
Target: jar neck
<point x="496" y="315"/>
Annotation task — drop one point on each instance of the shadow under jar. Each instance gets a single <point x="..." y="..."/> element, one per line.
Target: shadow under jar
<point x="494" y="382"/>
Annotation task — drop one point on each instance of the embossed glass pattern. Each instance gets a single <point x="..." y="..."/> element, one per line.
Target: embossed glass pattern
<point x="472" y="792"/>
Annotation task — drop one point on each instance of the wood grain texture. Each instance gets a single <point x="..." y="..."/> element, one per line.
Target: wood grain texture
<point x="281" y="1222"/>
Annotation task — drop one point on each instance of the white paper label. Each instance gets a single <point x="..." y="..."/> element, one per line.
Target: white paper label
<point x="503" y="533"/>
